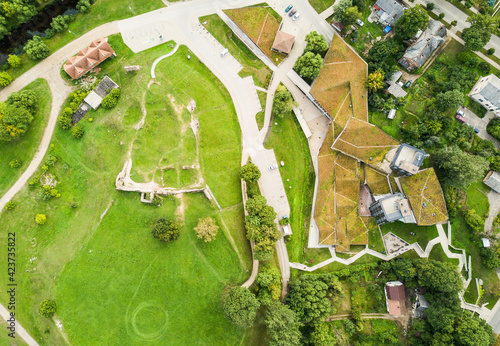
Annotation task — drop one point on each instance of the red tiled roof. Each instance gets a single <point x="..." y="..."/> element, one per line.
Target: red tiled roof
<point x="395" y="292"/>
<point x="88" y="58"/>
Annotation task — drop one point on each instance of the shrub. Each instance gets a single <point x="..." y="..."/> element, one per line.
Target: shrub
<point x="47" y="308"/>
<point x="83" y="6"/>
<point x="250" y="173"/>
<point x="10" y="205"/>
<point x="166" y="230"/>
<point x="15" y="163"/>
<point x="5" y="78"/>
<point x="454" y="23"/>
<point x="490" y="51"/>
<point x="110" y="100"/>
<point x="441" y="15"/>
<point x="78" y="132"/>
<point x="484" y="67"/>
<point x="41" y="219"/>
<point x="14" y="60"/>
<point x="36" y="48"/>
<point x="430" y="6"/>
<point x="64" y="121"/>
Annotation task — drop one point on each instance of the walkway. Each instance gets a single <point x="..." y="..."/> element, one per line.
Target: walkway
<point x="365" y="316"/>
<point x="494" y="200"/>
<point x="153" y="67"/>
<point x="20" y="331"/>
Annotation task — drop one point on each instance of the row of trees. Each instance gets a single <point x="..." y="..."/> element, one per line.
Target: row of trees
<point x="16" y="114"/>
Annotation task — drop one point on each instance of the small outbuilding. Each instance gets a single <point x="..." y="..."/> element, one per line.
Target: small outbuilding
<point x="492" y="179"/>
<point x="392" y="114"/>
<point x="94" y="98"/>
<point x="283" y="43"/>
<point x="395" y="298"/>
<point x="486" y="242"/>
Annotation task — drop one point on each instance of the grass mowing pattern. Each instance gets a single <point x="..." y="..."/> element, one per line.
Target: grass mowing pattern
<point x="186" y="278"/>
<point x="24" y="148"/>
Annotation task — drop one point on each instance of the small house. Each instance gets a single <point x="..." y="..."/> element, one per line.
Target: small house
<point x="94" y="98"/>
<point x="486" y="92"/>
<point x="492" y="180"/>
<point x="395" y="298"/>
<point x="283" y="43"/>
<point x="388" y="12"/>
<point x="395" y="87"/>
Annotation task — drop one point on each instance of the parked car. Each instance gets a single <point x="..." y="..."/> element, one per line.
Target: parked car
<point x="273" y="167"/>
<point x="460" y="118"/>
<point x="292" y="12"/>
<point x="296" y="16"/>
<point x="461" y="113"/>
<point x="288" y="8"/>
<point x="224" y="52"/>
<point x="476" y="130"/>
<point x="360" y="22"/>
<point x="407" y="85"/>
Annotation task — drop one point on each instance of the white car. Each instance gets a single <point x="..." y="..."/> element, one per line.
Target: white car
<point x="297" y="15"/>
<point x="273" y="167"/>
<point x="360" y="22"/>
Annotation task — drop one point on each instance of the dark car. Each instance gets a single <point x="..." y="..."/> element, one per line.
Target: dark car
<point x="407" y="85"/>
<point x="288" y="8"/>
<point x="476" y="130"/>
<point x="292" y="12"/>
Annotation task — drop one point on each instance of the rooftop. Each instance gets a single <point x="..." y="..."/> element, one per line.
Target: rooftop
<point x="408" y="158"/>
<point x="283" y="42"/>
<point x="426" y="197"/>
<point x="391" y="11"/>
<point x="492" y="179"/>
<point x="491" y="91"/>
<point x="395" y="293"/>
<point x="88" y="58"/>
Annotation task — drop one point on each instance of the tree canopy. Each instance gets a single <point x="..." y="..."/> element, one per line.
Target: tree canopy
<point x="351" y="15"/>
<point x="375" y="81"/>
<point x="413" y="19"/>
<point x="340" y="8"/>
<point x="240" y="306"/>
<point x="16" y="114"/>
<point x="308" y="299"/>
<point x="308" y="65"/>
<point x="479" y="33"/>
<point x="250" y="173"/>
<point x="316" y="43"/>
<point x="449" y="99"/>
<point x="47" y="308"/>
<point x="282" y="326"/>
<point x="459" y="168"/>
<point x="36" y="48"/>
<point x="282" y="102"/>
<point x="166" y="230"/>
<point x="206" y="229"/>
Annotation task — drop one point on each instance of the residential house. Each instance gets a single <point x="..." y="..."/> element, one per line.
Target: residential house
<point x="492" y="179"/>
<point x="487" y="93"/>
<point x="388" y="12"/>
<point x="418" y="53"/>
<point x="395" y="87"/>
<point x="88" y="58"/>
<point x="395" y="298"/>
<point x="408" y="159"/>
<point x="283" y="43"/>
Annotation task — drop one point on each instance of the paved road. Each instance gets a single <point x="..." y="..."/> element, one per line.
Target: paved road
<point x="480" y="123"/>
<point x="20" y="331"/>
<point x="494" y="199"/>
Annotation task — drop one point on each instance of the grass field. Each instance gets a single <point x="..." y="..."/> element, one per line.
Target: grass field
<point x="298" y="173"/>
<point x="96" y="257"/>
<point x="260" y="116"/>
<point x="403" y="230"/>
<point x="260" y="25"/>
<point x="24" y="148"/>
<point x="477" y="199"/>
<point x="321" y="5"/>
<point x="101" y="12"/>
<point x="252" y="66"/>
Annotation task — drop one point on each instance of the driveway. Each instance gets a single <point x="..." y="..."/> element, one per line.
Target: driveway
<point x="480" y="123"/>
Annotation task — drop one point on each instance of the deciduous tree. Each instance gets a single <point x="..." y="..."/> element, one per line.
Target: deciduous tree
<point x="47" y="308"/>
<point x="351" y="15"/>
<point x="308" y="299"/>
<point x="250" y="173"/>
<point x="316" y="43"/>
<point x="166" y="230"/>
<point x="5" y="78"/>
<point x="413" y="19"/>
<point x="479" y="33"/>
<point x="240" y="306"/>
<point x="282" y="325"/>
<point x="14" y="60"/>
<point x="206" y="229"/>
<point x="449" y="99"/>
<point x="36" y="48"/>
<point x="282" y="102"/>
<point x="308" y="65"/>
<point x="375" y="81"/>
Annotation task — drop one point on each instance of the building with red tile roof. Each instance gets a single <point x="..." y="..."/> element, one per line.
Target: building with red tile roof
<point x="395" y="298"/>
<point x="88" y="58"/>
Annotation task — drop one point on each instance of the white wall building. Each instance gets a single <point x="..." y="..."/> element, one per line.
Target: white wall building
<point x="487" y="93"/>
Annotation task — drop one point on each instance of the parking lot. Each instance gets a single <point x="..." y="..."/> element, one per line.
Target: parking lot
<point x="480" y="123"/>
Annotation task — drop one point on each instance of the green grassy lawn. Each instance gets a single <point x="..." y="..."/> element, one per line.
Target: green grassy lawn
<point x="314" y="256"/>
<point x="7" y="340"/>
<point x="321" y="5"/>
<point x="96" y="257"/>
<point x="101" y="12"/>
<point x="24" y="148"/>
<point x="463" y="238"/>
<point x="477" y="199"/>
<point x="438" y="254"/>
<point x="252" y="66"/>
<point x="298" y="179"/>
<point x="422" y="233"/>
<point x="375" y="240"/>
<point x="367" y="32"/>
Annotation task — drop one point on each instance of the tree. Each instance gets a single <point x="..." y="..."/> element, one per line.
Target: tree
<point x="322" y="335"/>
<point x="375" y="80"/>
<point x="493" y="128"/>
<point x="413" y="19"/>
<point x="60" y="23"/>
<point x="308" y="299"/>
<point x="78" y="132"/>
<point x="449" y="99"/>
<point x="282" y="102"/>
<point x="441" y="15"/>
<point x="47" y="308"/>
<point x="36" y="48"/>
<point x="351" y="15"/>
<point x="207" y="229"/>
<point x="282" y="325"/>
<point x="459" y="168"/>
<point x="14" y="60"/>
<point x="474" y="221"/>
<point x="490" y="51"/>
<point x="240" y="306"/>
<point x="473" y="331"/>
<point x="340" y="8"/>
<point x="166" y="230"/>
<point x="109" y="101"/>
<point x="83" y="6"/>
<point x="479" y="33"/>
<point x="250" y="173"/>
<point x="430" y="6"/>
<point x="41" y="219"/>
<point x="316" y="43"/>
<point x="5" y="78"/>
<point x="308" y="65"/>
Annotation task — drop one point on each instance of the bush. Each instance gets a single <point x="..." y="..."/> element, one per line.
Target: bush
<point x="490" y="51"/>
<point x="78" y="132"/>
<point x="15" y="163"/>
<point x="166" y="230"/>
<point x="430" y="6"/>
<point x="5" y="78"/>
<point x="83" y="6"/>
<point x="36" y="48"/>
<point x="47" y="308"/>
<point x="10" y="205"/>
<point x="41" y="219"/>
<point x="14" y="60"/>
<point x="64" y="121"/>
<point x="493" y="128"/>
<point x="110" y="100"/>
<point x="484" y="67"/>
<point x="454" y="23"/>
<point x="250" y="173"/>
